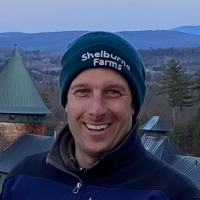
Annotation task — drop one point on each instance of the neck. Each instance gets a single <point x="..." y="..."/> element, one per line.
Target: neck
<point x="86" y="161"/>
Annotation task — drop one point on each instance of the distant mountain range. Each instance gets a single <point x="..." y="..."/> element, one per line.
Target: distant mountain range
<point x="57" y="42"/>
<point x="188" y="29"/>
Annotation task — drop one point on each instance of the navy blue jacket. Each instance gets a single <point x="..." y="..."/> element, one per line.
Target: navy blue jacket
<point x="127" y="173"/>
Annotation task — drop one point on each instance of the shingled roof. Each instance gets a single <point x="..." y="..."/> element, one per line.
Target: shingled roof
<point x="17" y="90"/>
<point x="166" y="150"/>
<point x="24" y="146"/>
<point x="163" y="148"/>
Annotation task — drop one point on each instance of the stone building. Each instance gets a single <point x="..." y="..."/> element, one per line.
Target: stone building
<point x="22" y="110"/>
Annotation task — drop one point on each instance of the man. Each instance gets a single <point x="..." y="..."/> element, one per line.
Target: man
<point x="99" y="155"/>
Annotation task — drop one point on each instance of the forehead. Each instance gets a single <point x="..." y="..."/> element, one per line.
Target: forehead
<point x="100" y="76"/>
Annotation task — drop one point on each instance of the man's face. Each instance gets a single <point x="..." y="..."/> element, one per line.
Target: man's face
<point x="100" y="110"/>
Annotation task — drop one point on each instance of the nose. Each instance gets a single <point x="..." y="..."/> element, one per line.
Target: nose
<point x="97" y="106"/>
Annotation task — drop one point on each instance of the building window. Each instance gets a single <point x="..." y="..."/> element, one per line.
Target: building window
<point x="11" y="117"/>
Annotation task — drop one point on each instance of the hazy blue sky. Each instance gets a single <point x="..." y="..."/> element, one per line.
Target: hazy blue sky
<point x="109" y="15"/>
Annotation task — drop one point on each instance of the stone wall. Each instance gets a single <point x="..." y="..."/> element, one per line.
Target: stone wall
<point x="9" y="132"/>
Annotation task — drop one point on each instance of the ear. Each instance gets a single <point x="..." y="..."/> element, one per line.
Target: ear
<point x="66" y="107"/>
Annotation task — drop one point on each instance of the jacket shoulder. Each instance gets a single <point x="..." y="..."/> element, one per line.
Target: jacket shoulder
<point x="36" y="166"/>
<point x="30" y="165"/>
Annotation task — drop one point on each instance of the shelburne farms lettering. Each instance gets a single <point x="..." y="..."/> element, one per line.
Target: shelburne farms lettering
<point x="107" y="59"/>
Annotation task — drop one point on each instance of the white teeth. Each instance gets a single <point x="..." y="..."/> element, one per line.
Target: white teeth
<point x="104" y="126"/>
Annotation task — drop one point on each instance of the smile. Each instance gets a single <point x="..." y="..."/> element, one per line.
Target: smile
<point x="99" y="127"/>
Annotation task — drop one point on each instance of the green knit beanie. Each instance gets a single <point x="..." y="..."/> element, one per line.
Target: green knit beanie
<point x="103" y="50"/>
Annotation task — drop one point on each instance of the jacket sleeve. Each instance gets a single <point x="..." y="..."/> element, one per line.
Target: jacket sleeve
<point x="6" y="193"/>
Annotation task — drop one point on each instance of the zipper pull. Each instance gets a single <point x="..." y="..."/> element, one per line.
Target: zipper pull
<point x="76" y="189"/>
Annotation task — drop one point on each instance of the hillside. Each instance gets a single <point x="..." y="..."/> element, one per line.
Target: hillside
<point x="57" y="42"/>
<point x="45" y="66"/>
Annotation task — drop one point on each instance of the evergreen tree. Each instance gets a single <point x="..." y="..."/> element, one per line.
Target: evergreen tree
<point x="176" y="85"/>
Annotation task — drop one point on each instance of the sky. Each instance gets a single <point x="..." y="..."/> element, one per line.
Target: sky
<point x="34" y="16"/>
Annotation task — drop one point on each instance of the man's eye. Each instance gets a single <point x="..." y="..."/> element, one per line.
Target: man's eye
<point x="82" y="92"/>
<point x="113" y="93"/>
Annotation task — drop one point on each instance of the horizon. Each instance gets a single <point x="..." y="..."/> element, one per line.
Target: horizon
<point x="92" y="30"/>
<point x="127" y="15"/>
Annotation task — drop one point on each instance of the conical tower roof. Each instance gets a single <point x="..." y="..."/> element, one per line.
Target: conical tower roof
<point x="18" y="93"/>
<point x="156" y="124"/>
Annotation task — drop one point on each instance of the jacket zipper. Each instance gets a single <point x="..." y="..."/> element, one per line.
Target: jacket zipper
<point x="76" y="189"/>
